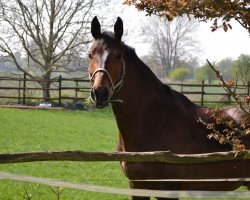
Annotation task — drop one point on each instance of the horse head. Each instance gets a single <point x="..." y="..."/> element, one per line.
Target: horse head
<point x="106" y="65"/>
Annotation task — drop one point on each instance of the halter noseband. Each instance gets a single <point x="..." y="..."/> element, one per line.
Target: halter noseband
<point x="114" y="87"/>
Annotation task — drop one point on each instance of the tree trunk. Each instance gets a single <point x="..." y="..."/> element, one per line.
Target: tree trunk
<point x="46" y="91"/>
<point x="46" y="88"/>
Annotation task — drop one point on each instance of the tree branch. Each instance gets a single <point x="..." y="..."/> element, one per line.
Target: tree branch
<point x="229" y="90"/>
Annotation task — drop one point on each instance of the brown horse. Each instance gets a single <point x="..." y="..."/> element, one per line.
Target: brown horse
<point x="152" y="117"/>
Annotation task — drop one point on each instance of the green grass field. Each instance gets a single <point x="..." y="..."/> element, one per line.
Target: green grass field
<point x="47" y="130"/>
<point x="40" y="130"/>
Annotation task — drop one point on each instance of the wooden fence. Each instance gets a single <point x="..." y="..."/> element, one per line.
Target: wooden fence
<point x="210" y="90"/>
<point x="78" y="89"/>
<point x="58" y="85"/>
<point x="131" y="157"/>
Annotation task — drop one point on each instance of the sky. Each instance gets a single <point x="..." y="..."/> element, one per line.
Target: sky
<point x="220" y="44"/>
<point x="214" y="45"/>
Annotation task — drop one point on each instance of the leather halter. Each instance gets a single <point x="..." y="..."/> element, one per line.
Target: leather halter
<point x="114" y="86"/>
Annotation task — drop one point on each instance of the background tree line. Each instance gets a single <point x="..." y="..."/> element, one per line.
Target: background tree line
<point x="173" y="52"/>
<point x="238" y="69"/>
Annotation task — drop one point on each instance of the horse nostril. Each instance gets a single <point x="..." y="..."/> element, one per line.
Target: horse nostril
<point x="100" y="95"/>
<point x="105" y="94"/>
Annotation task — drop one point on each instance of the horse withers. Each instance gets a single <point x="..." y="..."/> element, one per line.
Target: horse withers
<point x="152" y="117"/>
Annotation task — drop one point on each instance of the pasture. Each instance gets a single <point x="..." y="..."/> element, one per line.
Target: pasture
<point x="41" y="130"/>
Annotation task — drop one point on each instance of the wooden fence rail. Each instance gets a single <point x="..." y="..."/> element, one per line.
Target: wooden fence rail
<point x="23" y="88"/>
<point x="160" y="156"/>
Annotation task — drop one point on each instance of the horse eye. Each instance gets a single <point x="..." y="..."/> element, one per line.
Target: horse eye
<point x="90" y="56"/>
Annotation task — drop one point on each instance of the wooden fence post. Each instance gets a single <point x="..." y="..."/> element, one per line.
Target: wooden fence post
<point x="202" y="93"/>
<point x="19" y="88"/>
<point x="248" y="90"/>
<point x="60" y="90"/>
<point x="76" y="90"/>
<point x="24" y="88"/>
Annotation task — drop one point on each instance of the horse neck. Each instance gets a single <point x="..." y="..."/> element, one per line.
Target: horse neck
<point x="142" y="96"/>
<point x="149" y="117"/>
<point x="139" y="86"/>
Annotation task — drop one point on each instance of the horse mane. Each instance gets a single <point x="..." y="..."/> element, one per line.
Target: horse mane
<point x="130" y="54"/>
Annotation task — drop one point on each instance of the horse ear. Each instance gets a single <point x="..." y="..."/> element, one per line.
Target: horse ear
<point x="95" y="28"/>
<point x="118" y="28"/>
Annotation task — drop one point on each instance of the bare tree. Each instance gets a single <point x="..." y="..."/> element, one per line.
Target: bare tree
<point x="172" y="42"/>
<point x="48" y="34"/>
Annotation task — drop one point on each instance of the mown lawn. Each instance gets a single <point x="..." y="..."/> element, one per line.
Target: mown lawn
<point x="47" y="130"/>
<point x="40" y="130"/>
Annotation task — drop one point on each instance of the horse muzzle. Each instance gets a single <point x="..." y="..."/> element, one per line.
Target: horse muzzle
<point x="100" y="96"/>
